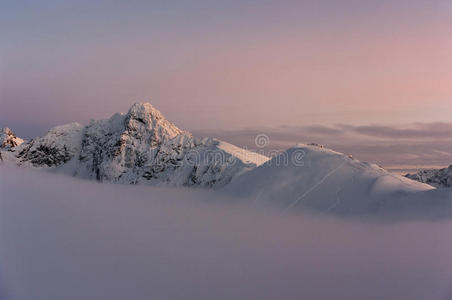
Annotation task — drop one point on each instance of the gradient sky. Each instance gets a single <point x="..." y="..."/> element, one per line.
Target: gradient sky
<point x="226" y="64"/>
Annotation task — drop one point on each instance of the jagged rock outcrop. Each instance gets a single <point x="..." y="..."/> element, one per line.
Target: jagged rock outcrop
<point x="8" y="139"/>
<point x="440" y="178"/>
<point x="113" y="147"/>
<point x="139" y="147"/>
<point x="57" y="147"/>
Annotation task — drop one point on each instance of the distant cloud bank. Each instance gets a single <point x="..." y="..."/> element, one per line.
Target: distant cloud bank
<point x="416" y="145"/>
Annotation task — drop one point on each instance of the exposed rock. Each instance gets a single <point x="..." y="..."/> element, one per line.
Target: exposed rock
<point x="8" y="139"/>
<point x="440" y="178"/>
<point x="57" y="147"/>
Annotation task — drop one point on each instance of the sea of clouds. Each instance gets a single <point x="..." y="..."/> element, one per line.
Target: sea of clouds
<point x="64" y="238"/>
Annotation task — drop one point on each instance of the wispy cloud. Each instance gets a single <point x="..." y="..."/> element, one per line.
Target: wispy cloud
<point x="412" y="131"/>
<point x="410" y="145"/>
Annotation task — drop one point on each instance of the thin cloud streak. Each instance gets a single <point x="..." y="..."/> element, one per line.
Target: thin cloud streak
<point x="414" y="145"/>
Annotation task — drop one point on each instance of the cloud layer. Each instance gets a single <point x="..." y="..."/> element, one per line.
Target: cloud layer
<point x="410" y="146"/>
<point x="62" y="238"/>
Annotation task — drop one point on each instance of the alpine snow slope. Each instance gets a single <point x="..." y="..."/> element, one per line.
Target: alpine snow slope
<point x="320" y="179"/>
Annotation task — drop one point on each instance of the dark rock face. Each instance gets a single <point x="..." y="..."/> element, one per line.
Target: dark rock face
<point x="440" y="178"/>
<point x="55" y="148"/>
<point x="44" y="155"/>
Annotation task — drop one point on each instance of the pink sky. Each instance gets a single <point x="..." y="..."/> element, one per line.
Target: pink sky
<point x="223" y="66"/>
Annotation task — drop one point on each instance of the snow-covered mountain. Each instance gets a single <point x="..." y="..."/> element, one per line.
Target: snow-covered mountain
<point x="140" y="146"/>
<point x="143" y="147"/>
<point x="311" y="176"/>
<point x="440" y="178"/>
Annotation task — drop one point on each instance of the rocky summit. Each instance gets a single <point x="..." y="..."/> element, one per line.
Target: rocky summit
<point x="139" y="147"/>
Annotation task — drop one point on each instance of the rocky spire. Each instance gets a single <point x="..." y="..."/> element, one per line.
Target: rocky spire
<point x="8" y="139"/>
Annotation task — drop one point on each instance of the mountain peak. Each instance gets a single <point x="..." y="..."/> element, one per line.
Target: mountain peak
<point x="143" y="117"/>
<point x="143" y="109"/>
<point x="143" y="147"/>
<point x="8" y="139"/>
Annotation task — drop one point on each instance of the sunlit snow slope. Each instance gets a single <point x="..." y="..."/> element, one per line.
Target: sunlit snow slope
<point x="310" y="176"/>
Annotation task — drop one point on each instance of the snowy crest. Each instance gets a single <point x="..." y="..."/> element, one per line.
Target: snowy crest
<point x="143" y="121"/>
<point x="312" y="176"/>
